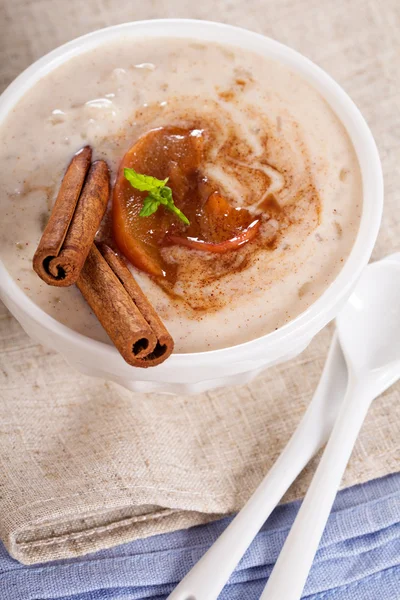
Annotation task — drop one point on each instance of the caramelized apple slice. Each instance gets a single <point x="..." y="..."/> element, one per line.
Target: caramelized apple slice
<point x="221" y="221"/>
<point x="215" y="225"/>
<point x="163" y="152"/>
<point x="223" y="227"/>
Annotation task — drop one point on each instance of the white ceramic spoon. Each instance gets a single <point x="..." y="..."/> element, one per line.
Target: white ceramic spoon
<point x="207" y="578"/>
<point x="369" y="333"/>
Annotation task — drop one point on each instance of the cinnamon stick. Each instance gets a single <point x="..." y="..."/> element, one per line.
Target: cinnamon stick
<point x="123" y="310"/>
<point x="74" y="221"/>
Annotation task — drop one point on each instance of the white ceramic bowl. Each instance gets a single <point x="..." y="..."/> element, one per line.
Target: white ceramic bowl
<point x="197" y="372"/>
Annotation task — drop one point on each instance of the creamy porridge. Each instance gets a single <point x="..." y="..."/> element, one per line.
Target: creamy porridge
<point x="220" y="123"/>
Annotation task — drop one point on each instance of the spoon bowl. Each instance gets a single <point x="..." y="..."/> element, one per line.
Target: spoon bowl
<point x="369" y="325"/>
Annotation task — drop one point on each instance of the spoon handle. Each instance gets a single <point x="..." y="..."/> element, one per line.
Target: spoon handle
<point x="290" y="573"/>
<point x="207" y="578"/>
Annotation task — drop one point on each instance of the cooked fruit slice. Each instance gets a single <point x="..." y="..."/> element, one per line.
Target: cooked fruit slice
<point x="215" y="225"/>
<point x="165" y="152"/>
<point x="222" y="222"/>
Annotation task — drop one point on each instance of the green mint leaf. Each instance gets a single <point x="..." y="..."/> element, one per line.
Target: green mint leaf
<point x="154" y="195"/>
<point x="166" y="194"/>
<point x="166" y="199"/>
<point x="143" y="183"/>
<point x="150" y="205"/>
<point x="178" y="213"/>
<point x="159" y="193"/>
<point x="163" y="200"/>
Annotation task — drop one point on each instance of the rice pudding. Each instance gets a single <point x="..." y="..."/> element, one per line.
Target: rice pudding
<point x="261" y="138"/>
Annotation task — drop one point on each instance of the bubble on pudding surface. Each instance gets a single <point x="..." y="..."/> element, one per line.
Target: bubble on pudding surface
<point x="146" y="66"/>
<point x="118" y="74"/>
<point x="99" y="110"/>
<point x="102" y="103"/>
<point x="57" y="116"/>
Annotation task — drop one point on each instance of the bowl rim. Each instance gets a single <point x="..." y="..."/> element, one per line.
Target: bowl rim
<point x="310" y="321"/>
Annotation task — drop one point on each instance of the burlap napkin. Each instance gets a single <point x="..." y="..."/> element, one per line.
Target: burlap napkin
<point x="84" y="464"/>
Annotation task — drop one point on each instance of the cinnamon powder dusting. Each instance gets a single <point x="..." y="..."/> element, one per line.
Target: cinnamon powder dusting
<point x="204" y="153"/>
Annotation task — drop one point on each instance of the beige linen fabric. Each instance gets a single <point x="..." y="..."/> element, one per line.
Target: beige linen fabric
<point x="84" y="465"/>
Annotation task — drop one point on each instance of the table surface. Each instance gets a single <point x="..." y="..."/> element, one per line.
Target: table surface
<point x="358" y="43"/>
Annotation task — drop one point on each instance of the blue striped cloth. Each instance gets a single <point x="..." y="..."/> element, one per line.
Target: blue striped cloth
<point x="359" y="558"/>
